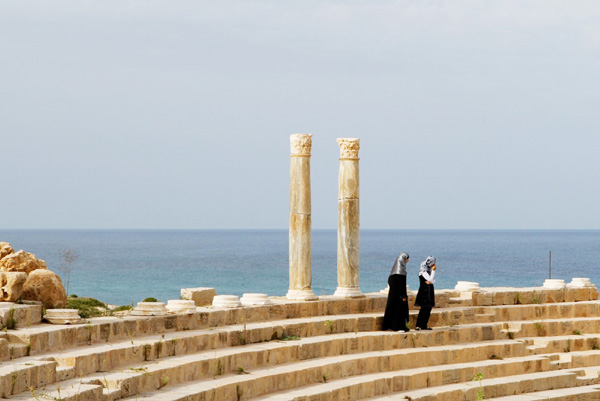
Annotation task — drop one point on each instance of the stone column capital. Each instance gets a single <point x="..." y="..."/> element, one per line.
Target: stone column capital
<point x="300" y="144"/>
<point x="349" y="147"/>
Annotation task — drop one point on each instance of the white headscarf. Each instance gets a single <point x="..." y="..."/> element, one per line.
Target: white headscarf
<point x="426" y="265"/>
<point x="399" y="266"/>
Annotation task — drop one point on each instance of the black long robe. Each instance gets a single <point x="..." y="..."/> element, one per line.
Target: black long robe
<point x="426" y="294"/>
<point x="396" y="310"/>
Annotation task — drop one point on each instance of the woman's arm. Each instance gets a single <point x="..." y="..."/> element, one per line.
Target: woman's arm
<point x="430" y="278"/>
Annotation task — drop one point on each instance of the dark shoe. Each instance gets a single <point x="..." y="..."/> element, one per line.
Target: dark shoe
<point x="417" y="328"/>
<point x="427" y="328"/>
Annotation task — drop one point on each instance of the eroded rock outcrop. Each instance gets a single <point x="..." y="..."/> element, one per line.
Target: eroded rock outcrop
<point x="21" y="261"/>
<point x="45" y="286"/>
<point x="5" y="249"/>
<point x="11" y="285"/>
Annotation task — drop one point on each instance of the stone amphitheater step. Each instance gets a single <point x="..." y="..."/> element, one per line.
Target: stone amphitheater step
<point x="150" y="376"/>
<point x="89" y="359"/>
<point x="206" y="366"/>
<point x="543" y="311"/>
<point x="525" y="384"/>
<point x="47" y="337"/>
<point x="256" y="332"/>
<point x="564" y="343"/>
<point x="73" y="390"/>
<point x="583" y="393"/>
<point x="18" y="377"/>
<point x="309" y="376"/>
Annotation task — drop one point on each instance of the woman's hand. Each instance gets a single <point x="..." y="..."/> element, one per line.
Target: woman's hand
<point x="427" y="282"/>
<point x="403" y="299"/>
<point x="434" y="267"/>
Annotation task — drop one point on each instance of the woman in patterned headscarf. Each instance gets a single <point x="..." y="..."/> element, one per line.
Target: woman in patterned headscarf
<point x="396" y="310"/>
<point x="426" y="295"/>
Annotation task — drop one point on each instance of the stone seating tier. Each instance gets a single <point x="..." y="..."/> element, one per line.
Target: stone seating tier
<point x="340" y="353"/>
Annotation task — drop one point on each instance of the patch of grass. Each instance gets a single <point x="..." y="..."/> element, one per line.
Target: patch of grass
<point x="289" y="338"/>
<point x="241" y="371"/>
<point x="11" y="322"/>
<point x="510" y="335"/>
<point x="330" y="325"/>
<point x="540" y="329"/>
<point x="122" y="308"/>
<point x="87" y="307"/>
<point x="577" y="332"/>
<point x="517" y="298"/>
<point x="150" y="299"/>
<point x="143" y="370"/>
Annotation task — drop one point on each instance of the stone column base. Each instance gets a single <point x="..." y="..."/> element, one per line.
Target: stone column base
<point x="301" y="295"/>
<point x="348" y="292"/>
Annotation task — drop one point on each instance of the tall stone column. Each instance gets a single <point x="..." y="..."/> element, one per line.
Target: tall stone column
<point x="300" y="219"/>
<point x="348" y="220"/>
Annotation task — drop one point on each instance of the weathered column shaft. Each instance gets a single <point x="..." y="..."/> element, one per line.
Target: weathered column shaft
<point x="300" y="219"/>
<point x="348" y="251"/>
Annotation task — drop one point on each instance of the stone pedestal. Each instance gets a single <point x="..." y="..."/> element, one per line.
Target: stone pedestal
<point x="578" y="282"/>
<point x="201" y="295"/>
<point x="554" y="284"/>
<point x="150" y="309"/>
<point x="181" y="306"/>
<point x="252" y="299"/>
<point x="300" y="219"/>
<point x="226" y="301"/>
<point x="63" y="316"/>
<point x="467" y="286"/>
<point x="348" y="220"/>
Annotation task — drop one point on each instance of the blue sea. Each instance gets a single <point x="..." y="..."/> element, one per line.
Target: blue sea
<point x="125" y="266"/>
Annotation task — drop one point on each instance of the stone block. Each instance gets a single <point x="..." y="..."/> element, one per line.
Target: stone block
<point x="202" y="296"/>
<point x="482" y="298"/>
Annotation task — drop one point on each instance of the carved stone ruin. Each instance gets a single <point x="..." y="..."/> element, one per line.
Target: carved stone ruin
<point x="348" y="220"/>
<point x="150" y="309"/>
<point x="181" y="306"/>
<point x="300" y="219"/>
<point x="253" y="299"/>
<point x="63" y="316"/>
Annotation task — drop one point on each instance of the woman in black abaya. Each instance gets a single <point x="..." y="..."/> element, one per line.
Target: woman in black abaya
<point x="396" y="310"/>
<point x="426" y="295"/>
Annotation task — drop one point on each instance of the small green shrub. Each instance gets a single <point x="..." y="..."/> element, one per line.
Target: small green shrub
<point x="150" y="299"/>
<point x="122" y="308"/>
<point x="87" y="307"/>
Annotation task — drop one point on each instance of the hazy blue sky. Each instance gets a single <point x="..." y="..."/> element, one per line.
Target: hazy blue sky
<point x="177" y="114"/>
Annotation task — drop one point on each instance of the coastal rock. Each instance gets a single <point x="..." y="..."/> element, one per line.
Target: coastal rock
<point x="11" y="285"/>
<point x="21" y="262"/>
<point x="5" y="249"/>
<point x="45" y="286"/>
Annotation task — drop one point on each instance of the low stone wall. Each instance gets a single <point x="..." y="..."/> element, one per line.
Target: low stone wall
<point x="534" y="295"/>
